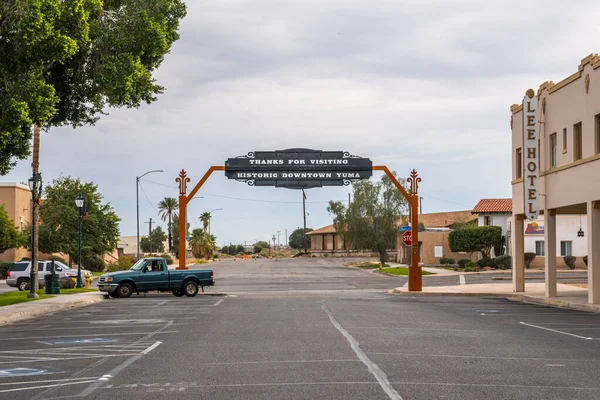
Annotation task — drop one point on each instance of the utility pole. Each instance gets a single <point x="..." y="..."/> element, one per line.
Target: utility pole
<point x="278" y="242"/>
<point x="420" y="205"/>
<point x="304" y="212"/>
<point x="348" y="200"/>
<point x="286" y="239"/>
<point x="273" y="242"/>
<point x="150" y="233"/>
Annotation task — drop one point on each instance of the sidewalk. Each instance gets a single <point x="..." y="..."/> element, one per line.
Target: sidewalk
<point x="30" y="309"/>
<point x="568" y="296"/>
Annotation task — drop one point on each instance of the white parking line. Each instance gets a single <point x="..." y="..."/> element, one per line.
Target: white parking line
<point x="46" y="381"/>
<point x="461" y="280"/>
<point x="46" y="386"/>
<point x="149" y="349"/>
<point x="218" y="302"/>
<point x="554" y="330"/>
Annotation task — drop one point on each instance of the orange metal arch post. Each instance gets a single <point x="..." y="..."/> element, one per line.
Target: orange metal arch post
<point x="184" y="199"/>
<point x="415" y="279"/>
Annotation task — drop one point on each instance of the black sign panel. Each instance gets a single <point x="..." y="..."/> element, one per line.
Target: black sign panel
<point x="298" y="168"/>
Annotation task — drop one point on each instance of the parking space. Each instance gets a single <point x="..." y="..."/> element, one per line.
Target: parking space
<point x="64" y="353"/>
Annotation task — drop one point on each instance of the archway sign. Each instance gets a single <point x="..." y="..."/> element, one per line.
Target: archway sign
<point x="304" y="169"/>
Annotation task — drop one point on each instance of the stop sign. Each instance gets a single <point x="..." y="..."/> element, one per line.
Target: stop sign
<point x="407" y="238"/>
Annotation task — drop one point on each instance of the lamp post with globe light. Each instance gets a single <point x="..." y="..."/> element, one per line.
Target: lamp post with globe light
<point x="80" y="203"/>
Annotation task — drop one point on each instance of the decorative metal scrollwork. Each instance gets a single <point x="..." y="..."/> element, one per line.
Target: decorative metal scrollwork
<point x="347" y="182"/>
<point x="251" y="182"/>
<point x="183" y="181"/>
<point x="414" y="182"/>
<point x="250" y="154"/>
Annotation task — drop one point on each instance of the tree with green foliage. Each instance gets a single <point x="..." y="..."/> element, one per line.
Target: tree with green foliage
<point x="155" y="243"/>
<point x="203" y="245"/>
<point x="10" y="237"/>
<point x="296" y="240"/>
<point x="59" y="218"/>
<point x="260" y="245"/>
<point x="65" y="61"/>
<point x="167" y="209"/>
<point x="371" y="220"/>
<point x="175" y="234"/>
<point x="475" y="238"/>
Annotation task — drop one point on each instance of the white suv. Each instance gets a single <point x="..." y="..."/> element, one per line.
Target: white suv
<point x="18" y="274"/>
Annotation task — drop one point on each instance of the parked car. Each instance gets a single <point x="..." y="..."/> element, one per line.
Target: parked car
<point x="152" y="274"/>
<point x="19" y="273"/>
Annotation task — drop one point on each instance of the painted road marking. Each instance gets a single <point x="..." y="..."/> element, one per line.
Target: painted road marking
<point x="100" y="334"/>
<point x="218" y="302"/>
<point x="44" y="381"/>
<point x="129" y="321"/>
<point x="373" y="368"/>
<point x="461" y="279"/>
<point x="149" y="349"/>
<point x="78" y="341"/>
<point x="554" y="330"/>
<point x="46" y="386"/>
<point x="6" y="373"/>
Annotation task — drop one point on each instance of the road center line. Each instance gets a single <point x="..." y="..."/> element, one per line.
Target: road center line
<point x="371" y="366"/>
<point x="554" y="330"/>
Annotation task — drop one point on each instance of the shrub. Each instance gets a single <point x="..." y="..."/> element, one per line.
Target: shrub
<point x="4" y="269"/>
<point x="93" y="263"/>
<point x="486" y="262"/>
<point x="445" y="261"/>
<point x="168" y="258"/>
<point x="585" y="260"/>
<point x="472" y="266"/>
<point x="570" y="261"/>
<point x="57" y="258"/>
<point x="529" y="257"/>
<point x="503" y="262"/>
<point x="124" y="263"/>
<point x="463" y="263"/>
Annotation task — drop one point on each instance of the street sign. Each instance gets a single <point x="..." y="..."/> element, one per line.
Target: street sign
<point x="298" y="168"/>
<point x="405" y="228"/>
<point x="407" y="238"/>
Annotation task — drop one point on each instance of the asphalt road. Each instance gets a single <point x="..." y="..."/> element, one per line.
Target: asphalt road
<point x="281" y="335"/>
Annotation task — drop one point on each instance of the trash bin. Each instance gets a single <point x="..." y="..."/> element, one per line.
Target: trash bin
<point x="52" y="284"/>
<point x="52" y="281"/>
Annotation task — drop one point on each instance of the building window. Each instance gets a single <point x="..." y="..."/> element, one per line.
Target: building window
<point x="553" y="145"/>
<point x="519" y="161"/>
<point x="597" y="120"/>
<point x="539" y="248"/>
<point x="577" y="142"/>
<point x="566" y="248"/>
<point x="487" y="220"/>
<point x="564" y="140"/>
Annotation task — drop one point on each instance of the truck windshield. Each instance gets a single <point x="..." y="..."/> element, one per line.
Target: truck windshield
<point x="139" y="265"/>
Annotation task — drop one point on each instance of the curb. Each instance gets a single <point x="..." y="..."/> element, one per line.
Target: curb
<point x="42" y="308"/>
<point x="512" y="297"/>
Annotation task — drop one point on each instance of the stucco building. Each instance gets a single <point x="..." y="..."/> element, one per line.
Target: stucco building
<point x="556" y="168"/>
<point x="16" y="198"/>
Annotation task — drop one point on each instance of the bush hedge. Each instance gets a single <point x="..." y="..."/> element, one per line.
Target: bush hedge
<point x="123" y="264"/>
<point x="472" y="266"/>
<point x="570" y="261"/>
<point x="4" y="268"/>
<point x="529" y="257"/>
<point x="486" y="262"/>
<point x="93" y="263"/>
<point x="168" y="258"/>
<point x="503" y="262"/>
<point x="463" y="263"/>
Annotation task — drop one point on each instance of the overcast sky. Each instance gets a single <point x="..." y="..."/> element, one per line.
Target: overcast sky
<point x="410" y="84"/>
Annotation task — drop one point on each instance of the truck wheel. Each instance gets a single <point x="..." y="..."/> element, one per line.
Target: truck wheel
<point x="177" y="292"/>
<point x="23" y="284"/>
<point x="114" y="294"/>
<point x="190" y="289"/>
<point x="124" y="290"/>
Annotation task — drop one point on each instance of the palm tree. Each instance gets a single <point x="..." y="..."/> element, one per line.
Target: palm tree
<point x="205" y="218"/>
<point x="167" y="209"/>
<point x="202" y="244"/>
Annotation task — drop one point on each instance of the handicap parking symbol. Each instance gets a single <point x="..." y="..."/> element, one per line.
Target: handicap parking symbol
<point x="79" y="341"/>
<point x="7" y="373"/>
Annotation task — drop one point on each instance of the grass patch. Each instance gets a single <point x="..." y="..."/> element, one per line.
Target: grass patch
<point x="98" y="273"/>
<point x="9" y="298"/>
<point x="401" y="271"/>
<point x="365" y="264"/>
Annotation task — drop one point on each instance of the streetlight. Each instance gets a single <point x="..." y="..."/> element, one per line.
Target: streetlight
<point x="137" y="202"/>
<point x="80" y="203"/>
<point x="35" y="185"/>
<point x="210" y="218"/>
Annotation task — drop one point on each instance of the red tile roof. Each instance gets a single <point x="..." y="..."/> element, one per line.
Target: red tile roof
<point x="490" y="206"/>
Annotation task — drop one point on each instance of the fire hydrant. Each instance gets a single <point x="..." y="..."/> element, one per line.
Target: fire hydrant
<point x="88" y="281"/>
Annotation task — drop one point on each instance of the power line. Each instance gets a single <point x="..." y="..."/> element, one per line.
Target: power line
<point x="241" y="198"/>
<point x="445" y="201"/>
<point x="145" y="195"/>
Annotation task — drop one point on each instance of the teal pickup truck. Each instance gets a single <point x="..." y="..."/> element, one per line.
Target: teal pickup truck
<point x="152" y="274"/>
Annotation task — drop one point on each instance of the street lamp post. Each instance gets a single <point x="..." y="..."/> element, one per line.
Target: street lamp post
<point x="137" y="202"/>
<point x="210" y="218"/>
<point x="35" y="185"/>
<point x="80" y="203"/>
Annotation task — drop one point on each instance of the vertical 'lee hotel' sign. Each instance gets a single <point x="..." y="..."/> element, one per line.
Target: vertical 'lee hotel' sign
<point x="531" y="154"/>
